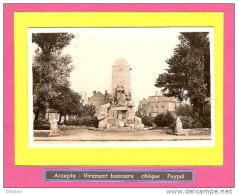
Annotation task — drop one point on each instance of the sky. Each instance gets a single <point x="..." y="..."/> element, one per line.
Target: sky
<point x="95" y="50"/>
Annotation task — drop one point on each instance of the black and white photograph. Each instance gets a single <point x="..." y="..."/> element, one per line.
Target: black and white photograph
<point x="121" y="87"/>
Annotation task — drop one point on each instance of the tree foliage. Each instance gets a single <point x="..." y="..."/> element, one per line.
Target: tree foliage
<point x="87" y="110"/>
<point x="188" y="73"/>
<point x="185" y="110"/>
<point x="51" y="72"/>
<point x="68" y="102"/>
<point x="51" y="42"/>
<point x="50" y="68"/>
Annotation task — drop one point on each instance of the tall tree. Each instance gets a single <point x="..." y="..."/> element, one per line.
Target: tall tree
<point x="50" y="68"/>
<point x="87" y="110"/>
<point x="188" y="73"/>
<point x="67" y="102"/>
<point x="51" y="42"/>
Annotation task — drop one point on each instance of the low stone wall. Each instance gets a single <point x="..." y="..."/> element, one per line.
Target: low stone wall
<point x="41" y="133"/>
<point x="65" y="128"/>
<point x="199" y="131"/>
<point x="196" y="131"/>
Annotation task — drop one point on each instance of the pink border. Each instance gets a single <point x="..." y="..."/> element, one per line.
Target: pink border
<point x="213" y="176"/>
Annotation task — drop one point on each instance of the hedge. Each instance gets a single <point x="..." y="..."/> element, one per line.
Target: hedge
<point x="89" y="121"/>
<point x="41" y="125"/>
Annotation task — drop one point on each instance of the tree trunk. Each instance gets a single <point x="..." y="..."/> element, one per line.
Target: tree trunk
<point x="37" y="115"/>
<point x="60" y="118"/>
<point x="64" y="119"/>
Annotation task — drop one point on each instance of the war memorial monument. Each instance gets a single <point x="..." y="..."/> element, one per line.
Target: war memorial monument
<point x="119" y="114"/>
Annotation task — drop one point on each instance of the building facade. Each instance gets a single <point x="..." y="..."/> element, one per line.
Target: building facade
<point x="98" y="99"/>
<point x="156" y="104"/>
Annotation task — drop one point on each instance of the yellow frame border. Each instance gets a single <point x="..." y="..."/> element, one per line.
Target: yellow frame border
<point x="112" y="156"/>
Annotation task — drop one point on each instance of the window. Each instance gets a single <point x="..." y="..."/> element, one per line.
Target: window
<point x="162" y="107"/>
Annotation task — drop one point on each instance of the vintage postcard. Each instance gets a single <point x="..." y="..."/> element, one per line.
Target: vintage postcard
<point x="119" y="95"/>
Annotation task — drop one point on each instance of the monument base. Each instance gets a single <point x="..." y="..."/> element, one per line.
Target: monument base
<point x="54" y="132"/>
<point x="116" y="128"/>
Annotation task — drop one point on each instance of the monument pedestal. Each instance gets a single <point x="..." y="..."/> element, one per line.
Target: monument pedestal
<point x="115" y="128"/>
<point x="54" y="130"/>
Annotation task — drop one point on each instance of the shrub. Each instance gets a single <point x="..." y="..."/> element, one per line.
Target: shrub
<point x="206" y="118"/>
<point x="191" y="119"/>
<point x="159" y="120"/>
<point x="91" y="121"/>
<point x="41" y="125"/>
<point x="173" y="125"/>
<point x="147" y="120"/>
<point x="164" y="120"/>
<point x="168" y="118"/>
<point x="189" y="122"/>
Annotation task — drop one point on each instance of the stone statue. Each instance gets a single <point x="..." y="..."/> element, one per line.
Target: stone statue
<point x="103" y="116"/>
<point x="179" y="125"/>
<point x="128" y="97"/>
<point x="120" y="98"/>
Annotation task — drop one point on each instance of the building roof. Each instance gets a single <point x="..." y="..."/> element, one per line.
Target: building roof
<point x="96" y="95"/>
